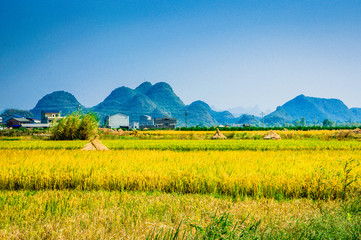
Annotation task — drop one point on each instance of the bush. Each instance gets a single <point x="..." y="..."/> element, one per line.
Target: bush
<point x="75" y="126"/>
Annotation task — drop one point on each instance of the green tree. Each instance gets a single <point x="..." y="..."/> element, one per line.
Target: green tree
<point x="327" y="123"/>
<point x="23" y="113"/>
<point x="75" y="126"/>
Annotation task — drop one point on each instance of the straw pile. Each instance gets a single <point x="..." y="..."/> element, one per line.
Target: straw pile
<point x="219" y="135"/>
<point x="95" y="144"/>
<point x="119" y="132"/>
<point x="356" y="131"/>
<point x="272" y="136"/>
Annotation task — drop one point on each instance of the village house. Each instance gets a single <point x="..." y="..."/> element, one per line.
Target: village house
<point x="165" y="123"/>
<point x="6" y="119"/>
<point x="17" y="122"/>
<point x="146" y="121"/>
<point x="134" y="125"/>
<point x="49" y="117"/>
<point x="118" y="120"/>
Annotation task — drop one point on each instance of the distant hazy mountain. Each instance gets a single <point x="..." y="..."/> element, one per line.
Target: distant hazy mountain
<point x="56" y="101"/>
<point x="200" y="113"/>
<point x="249" y="119"/>
<point x="238" y="111"/>
<point x="357" y="113"/>
<point x="312" y="109"/>
<point x="160" y="100"/>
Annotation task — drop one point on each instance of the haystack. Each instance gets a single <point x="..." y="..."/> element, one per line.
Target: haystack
<point x="95" y="144"/>
<point x="272" y="136"/>
<point x="219" y="135"/>
<point x="357" y="131"/>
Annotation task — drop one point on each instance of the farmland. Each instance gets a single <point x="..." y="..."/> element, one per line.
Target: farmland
<point x="142" y="188"/>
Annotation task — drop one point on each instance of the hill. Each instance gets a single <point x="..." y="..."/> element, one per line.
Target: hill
<point x="201" y="114"/>
<point x="22" y="113"/>
<point x="357" y="113"/>
<point x="312" y="109"/>
<point x="56" y="101"/>
<point x="249" y="119"/>
<point x="155" y="100"/>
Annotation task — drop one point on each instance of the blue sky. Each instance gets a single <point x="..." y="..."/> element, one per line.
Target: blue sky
<point x="227" y="53"/>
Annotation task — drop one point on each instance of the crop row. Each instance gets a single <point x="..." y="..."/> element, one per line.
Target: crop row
<point x="192" y="145"/>
<point x="273" y="174"/>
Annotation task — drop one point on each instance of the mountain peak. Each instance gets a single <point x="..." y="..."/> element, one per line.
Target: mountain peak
<point x="201" y="104"/>
<point x="121" y="94"/>
<point x="56" y="101"/>
<point x="144" y="87"/>
<point x="166" y="100"/>
<point x="161" y="86"/>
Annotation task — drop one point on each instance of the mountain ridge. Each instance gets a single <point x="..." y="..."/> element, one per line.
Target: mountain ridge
<point x="160" y="100"/>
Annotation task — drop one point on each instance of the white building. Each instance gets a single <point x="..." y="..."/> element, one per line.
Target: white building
<point x="118" y="120"/>
<point x="134" y="125"/>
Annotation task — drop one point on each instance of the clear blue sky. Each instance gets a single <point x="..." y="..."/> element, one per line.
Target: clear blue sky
<point x="227" y="53"/>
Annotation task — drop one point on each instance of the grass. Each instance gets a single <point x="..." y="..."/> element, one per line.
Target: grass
<point x="139" y="215"/>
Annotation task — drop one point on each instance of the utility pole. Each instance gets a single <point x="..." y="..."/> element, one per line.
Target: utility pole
<point x="185" y="116"/>
<point x="262" y="114"/>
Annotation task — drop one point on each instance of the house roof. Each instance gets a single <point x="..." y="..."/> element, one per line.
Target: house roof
<point x="35" y="125"/>
<point x="117" y="114"/>
<point x="21" y="119"/>
<point x="11" y="116"/>
<point x="164" y="118"/>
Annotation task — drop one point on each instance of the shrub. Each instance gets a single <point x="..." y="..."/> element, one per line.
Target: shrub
<point x="75" y="126"/>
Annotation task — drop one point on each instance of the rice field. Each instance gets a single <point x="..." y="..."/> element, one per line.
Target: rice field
<point x="270" y="174"/>
<point x="190" y="145"/>
<point x="158" y="189"/>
